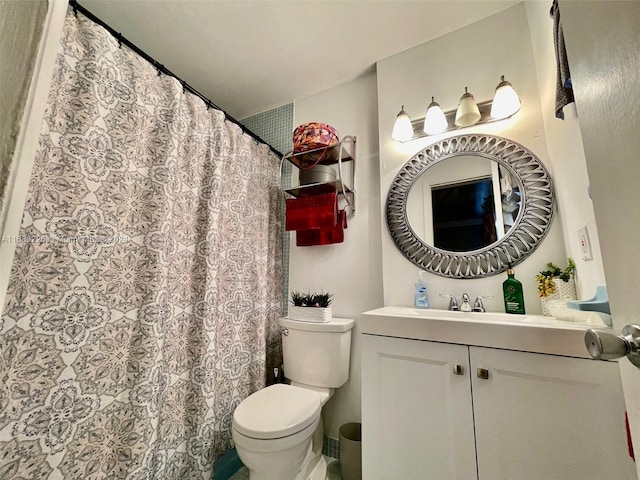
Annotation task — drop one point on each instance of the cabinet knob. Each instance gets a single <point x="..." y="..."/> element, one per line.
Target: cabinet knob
<point x="483" y="373"/>
<point x="458" y="369"/>
<point x="605" y="346"/>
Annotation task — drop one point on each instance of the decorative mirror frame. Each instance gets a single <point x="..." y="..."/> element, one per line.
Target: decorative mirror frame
<point x="528" y="231"/>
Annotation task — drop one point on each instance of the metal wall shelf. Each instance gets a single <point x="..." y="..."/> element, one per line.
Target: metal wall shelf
<point x="341" y="152"/>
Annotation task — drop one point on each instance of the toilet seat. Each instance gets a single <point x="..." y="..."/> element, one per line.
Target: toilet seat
<point x="277" y="411"/>
<point x="273" y="445"/>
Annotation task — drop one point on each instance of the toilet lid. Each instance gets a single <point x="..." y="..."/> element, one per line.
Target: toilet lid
<point x="277" y="411"/>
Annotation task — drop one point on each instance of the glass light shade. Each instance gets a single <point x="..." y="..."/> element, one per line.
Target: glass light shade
<point x="435" y="120"/>
<point x="402" y="128"/>
<point x="468" y="113"/>
<point x="505" y="101"/>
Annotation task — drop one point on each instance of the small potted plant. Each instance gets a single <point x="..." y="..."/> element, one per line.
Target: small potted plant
<point x="310" y="307"/>
<point x="555" y="284"/>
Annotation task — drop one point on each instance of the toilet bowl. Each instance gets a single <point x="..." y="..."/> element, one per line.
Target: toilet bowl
<point x="278" y="430"/>
<point x="278" y="434"/>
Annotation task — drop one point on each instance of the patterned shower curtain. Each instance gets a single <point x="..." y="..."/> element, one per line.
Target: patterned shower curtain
<point x="146" y="285"/>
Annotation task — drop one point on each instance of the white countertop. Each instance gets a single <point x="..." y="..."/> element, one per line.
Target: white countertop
<point x="529" y="333"/>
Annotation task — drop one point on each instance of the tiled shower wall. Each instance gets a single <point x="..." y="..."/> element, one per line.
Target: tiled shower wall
<point x="276" y="128"/>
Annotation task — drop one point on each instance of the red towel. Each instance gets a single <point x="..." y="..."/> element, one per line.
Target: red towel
<point x="629" y="443"/>
<point x="312" y="212"/>
<point x="323" y="236"/>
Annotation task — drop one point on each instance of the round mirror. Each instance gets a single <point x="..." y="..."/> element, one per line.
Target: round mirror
<point x="470" y="205"/>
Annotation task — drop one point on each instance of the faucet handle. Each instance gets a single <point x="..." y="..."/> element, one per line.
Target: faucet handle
<point x="453" y="303"/>
<point x="478" y="306"/>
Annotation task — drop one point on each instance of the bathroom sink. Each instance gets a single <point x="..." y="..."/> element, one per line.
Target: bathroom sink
<point x="533" y="333"/>
<point x="485" y="317"/>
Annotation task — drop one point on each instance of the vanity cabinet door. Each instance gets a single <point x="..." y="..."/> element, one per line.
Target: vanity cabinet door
<point x="416" y="409"/>
<point x="548" y="417"/>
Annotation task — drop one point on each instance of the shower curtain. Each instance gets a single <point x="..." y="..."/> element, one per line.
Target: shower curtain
<point x="146" y="285"/>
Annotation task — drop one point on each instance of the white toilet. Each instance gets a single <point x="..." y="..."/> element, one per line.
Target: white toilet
<point x="278" y="430"/>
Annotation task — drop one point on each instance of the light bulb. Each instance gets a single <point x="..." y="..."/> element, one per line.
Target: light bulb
<point x="505" y="101"/>
<point x="402" y="128"/>
<point x="435" y="120"/>
<point x="468" y="113"/>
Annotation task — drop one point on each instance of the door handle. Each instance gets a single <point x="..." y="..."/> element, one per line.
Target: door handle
<point x="605" y="346"/>
<point x="458" y="369"/>
<point x="483" y="373"/>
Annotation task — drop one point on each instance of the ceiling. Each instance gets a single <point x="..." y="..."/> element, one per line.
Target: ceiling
<point x="250" y="56"/>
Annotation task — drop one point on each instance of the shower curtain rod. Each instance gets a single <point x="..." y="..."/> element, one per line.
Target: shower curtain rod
<point x="162" y="69"/>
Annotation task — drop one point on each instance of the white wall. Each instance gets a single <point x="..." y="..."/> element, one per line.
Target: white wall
<point x="351" y="270"/>
<point x="564" y="143"/>
<point x="474" y="56"/>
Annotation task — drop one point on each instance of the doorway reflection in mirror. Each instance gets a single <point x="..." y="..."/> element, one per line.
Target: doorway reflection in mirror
<point x="452" y="204"/>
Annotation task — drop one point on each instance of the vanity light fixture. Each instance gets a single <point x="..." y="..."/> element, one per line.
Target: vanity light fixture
<point x="435" y="120"/>
<point x="468" y="113"/>
<point x="505" y="104"/>
<point x="505" y="100"/>
<point x="402" y="129"/>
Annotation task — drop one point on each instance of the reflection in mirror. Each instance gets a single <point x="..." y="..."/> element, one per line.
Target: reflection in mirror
<point x="490" y="170"/>
<point x="464" y="217"/>
<point x="451" y="205"/>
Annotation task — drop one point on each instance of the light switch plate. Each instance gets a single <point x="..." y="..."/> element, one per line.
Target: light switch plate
<point x="585" y="243"/>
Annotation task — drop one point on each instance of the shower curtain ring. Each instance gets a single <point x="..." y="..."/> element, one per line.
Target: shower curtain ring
<point x="119" y="37"/>
<point x="184" y="86"/>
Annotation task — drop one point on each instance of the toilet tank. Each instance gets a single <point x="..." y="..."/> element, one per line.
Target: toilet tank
<point x="317" y="354"/>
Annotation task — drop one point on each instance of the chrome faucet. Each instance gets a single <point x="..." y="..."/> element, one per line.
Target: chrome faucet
<point x="466" y="305"/>
<point x="453" y="303"/>
<point x="478" y="306"/>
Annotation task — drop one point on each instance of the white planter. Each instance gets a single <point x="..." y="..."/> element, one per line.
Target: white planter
<point x="564" y="291"/>
<point x="310" y="314"/>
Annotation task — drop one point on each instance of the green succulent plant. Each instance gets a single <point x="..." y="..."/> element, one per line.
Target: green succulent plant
<point x="322" y="299"/>
<point x="297" y="299"/>
<point x="546" y="286"/>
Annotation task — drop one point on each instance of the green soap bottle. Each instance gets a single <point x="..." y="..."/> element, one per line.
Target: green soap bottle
<point x="513" y="297"/>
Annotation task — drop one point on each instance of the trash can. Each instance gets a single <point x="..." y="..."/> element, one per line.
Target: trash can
<point x="350" y="451"/>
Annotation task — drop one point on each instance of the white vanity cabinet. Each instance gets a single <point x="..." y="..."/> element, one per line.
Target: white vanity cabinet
<point x="417" y="416"/>
<point x="434" y="410"/>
